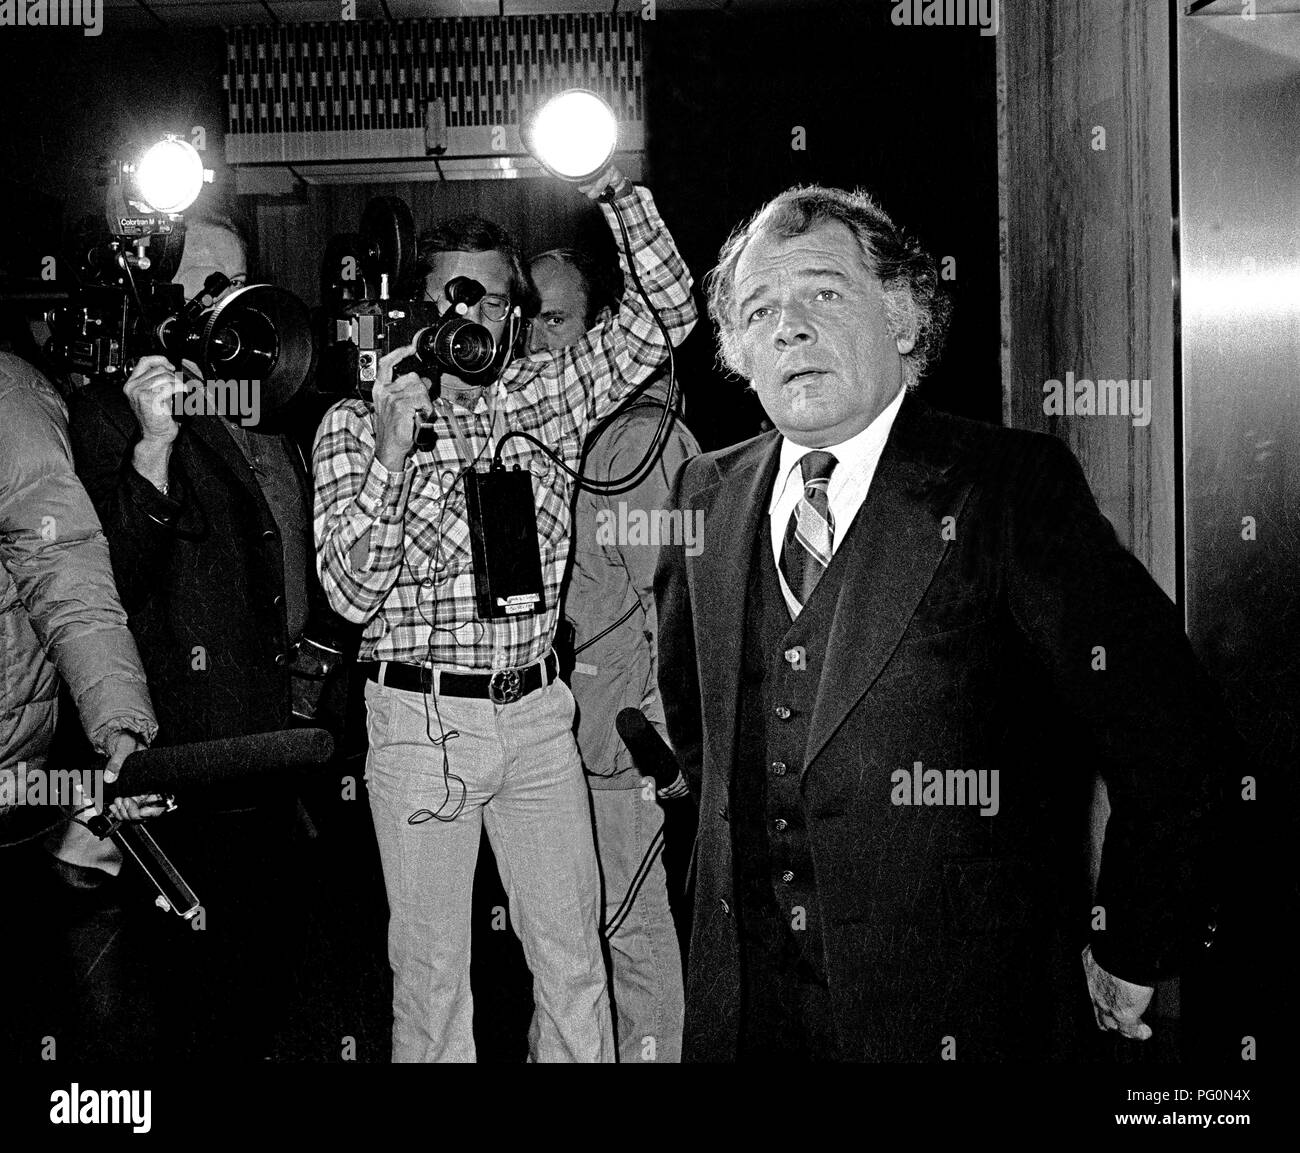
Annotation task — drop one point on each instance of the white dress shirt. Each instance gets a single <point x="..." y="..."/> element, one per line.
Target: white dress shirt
<point x="856" y="459"/>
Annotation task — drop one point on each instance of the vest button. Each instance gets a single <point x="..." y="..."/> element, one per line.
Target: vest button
<point x="778" y="768"/>
<point x="782" y="713"/>
<point x="725" y="907"/>
<point x="268" y="534"/>
<point x="779" y="824"/>
<point x="787" y="876"/>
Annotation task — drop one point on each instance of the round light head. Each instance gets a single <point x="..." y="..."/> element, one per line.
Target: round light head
<point x="169" y="176"/>
<point x="573" y="134"/>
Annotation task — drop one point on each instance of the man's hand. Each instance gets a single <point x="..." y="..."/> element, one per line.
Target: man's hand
<point x="150" y="389"/>
<point x="1117" y="1005"/>
<point x="121" y="747"/>
<point x="610" y="178"/>
<point x="399" y="405"/>
<point x="130" y="808"/>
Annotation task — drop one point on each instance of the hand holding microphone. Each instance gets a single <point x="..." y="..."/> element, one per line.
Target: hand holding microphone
<point x="130" y="808"/>
<point x="651" y="754"/>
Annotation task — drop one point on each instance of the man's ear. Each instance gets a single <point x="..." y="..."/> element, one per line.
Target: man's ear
<point x="603" y="315"/>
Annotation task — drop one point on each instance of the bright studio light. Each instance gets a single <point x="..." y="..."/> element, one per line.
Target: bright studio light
<point x="573" y="134"/>
<point x="169" y="176"/>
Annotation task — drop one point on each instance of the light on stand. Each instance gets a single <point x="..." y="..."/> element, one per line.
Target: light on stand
<point x="169" y="176"/>
<point x="573" y="135"/>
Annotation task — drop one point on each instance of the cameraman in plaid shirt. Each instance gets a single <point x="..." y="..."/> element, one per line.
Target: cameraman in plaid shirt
<point x="469" y="726"/>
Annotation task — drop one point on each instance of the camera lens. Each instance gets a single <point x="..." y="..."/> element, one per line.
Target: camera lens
<point x="457" y="345"/>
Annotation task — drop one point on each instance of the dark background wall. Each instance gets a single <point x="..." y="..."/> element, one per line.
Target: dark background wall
<point x="908" y="113"/>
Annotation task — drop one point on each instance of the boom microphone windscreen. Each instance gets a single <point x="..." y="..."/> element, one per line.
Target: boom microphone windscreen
<point x="181" y="768"/>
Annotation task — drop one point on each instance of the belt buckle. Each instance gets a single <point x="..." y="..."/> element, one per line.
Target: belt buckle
<point x="505" y="686"/>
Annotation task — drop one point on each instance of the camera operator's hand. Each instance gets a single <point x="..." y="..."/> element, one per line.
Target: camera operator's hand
<point x="610" y="178"/>
<point x="150" y="389"/>
<point x="399" y="407"/>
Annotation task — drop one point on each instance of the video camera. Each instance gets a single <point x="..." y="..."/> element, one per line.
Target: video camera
<point x="121" y="307"/>
<point x="383" y="308"/>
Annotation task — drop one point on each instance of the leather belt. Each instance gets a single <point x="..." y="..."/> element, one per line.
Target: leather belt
<point x="501" y="686"/>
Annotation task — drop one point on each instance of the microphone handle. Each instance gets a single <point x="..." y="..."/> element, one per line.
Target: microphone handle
<point x="138" y="841"/>
<point x="134" y="839"/>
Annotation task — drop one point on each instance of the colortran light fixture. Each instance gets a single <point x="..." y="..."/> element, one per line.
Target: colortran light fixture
<point x="168" y="177"/>
<point x="573" y="135"/>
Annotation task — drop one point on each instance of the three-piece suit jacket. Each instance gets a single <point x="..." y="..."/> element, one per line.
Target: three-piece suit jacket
<point x="983" y="617"/>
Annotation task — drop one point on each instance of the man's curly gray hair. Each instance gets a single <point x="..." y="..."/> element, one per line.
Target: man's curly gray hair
<point x="915" y="306"/>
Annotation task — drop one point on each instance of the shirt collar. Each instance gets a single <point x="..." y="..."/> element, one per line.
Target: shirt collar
<point x="858" y="452"/>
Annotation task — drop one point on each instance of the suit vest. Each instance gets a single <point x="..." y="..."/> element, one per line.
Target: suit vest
<point x="781" y="663"/>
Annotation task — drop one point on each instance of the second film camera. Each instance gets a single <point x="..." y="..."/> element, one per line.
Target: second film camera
<point x="120" y="305"/>
<point x="381" y="307"/>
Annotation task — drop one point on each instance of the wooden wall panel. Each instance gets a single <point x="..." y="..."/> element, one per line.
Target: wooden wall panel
<point x="1087" y="253"/>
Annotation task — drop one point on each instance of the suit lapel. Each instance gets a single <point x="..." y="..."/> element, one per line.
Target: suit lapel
<point x="898" y="545"/>
<point x="211" y="434"/>
<point x="732" y="524"/>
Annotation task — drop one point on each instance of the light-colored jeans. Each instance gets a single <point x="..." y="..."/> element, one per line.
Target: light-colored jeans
<point x="645" y="960"/>
<point x="522" y="781"/>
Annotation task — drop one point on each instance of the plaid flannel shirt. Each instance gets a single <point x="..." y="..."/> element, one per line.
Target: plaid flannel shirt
<point x="393" y="549"/>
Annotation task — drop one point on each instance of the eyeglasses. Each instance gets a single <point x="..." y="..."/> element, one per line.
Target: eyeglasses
<point x="495" y="307"/>
<point x="492" y="306"/>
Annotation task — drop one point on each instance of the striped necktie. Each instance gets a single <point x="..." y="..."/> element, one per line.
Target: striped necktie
<point x="810" y="534"/>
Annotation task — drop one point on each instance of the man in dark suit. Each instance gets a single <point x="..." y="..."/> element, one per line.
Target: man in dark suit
<point x="208" y="525"/>
<point x="905" y="642"/>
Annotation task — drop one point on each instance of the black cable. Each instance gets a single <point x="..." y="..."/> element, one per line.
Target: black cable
<point x="125" y="264"/>
<point x="643" y="467"/>
<point x="606" y="631"/>
<point x="439" y="561"/>
<point x="614" y="487"/>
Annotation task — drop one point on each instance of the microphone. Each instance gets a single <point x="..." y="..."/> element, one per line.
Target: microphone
<point x="649" y="751"/>
<point x="203" y="764"/>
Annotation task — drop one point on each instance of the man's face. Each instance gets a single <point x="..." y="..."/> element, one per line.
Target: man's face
<point x="490" y="269"/>
<point x="811" y="335"/>
<point x="209" y="249"/>
<point x="563" y="316"/>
